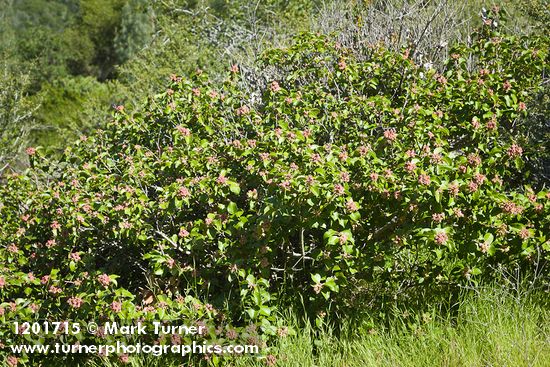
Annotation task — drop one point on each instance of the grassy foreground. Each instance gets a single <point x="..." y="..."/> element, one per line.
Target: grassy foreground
<point x="490" y="328"/>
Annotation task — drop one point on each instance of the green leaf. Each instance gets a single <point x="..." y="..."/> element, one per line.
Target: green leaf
<point x="234" y="187"/>
<point x="316" y="278"/>
<point x="232" y="208"/>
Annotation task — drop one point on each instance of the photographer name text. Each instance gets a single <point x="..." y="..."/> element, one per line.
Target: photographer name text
<point x="108" y="328"/>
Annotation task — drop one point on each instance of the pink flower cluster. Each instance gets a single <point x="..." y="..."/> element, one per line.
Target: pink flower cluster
<point x="390" y="135"/>
<point x="342" y="65"/>
<point x="183" y="130"/>
<point x="424" y="179"/>
<point x="440" y="238"/>
<point x="438" y="217"/>
<point x="492" y="123"/>
<point x="243" y="110"/>
<point x="352" y="206"/>
<point x="410" y="166"/>
<point x="75" y="302"/>
<point x="183" y="233"/>
<point x="116" y="306"/>
<point x="510" y="207"/>
<point x="524" y="233"/>
<point x="338" y="189"/>
<point x="285" y="185"/>
<point x="344" y="176"/>
<point x="474" y="160"/>
<point x="514" y="151"/>
<point x="104" y="280"/>
<point x="274" y="87"/>
<point x="184" y="192"/>
<point x="12" y="361"/>
<point x="54" y="290"/>
<point x="454" y="189"/>
<point x="343" y="238"/>
<point x="222" y="180"/>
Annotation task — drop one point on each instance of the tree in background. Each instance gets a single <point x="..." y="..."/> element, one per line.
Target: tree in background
<point x="16" y="112"/>
<point x="135" y="29"/>
<point x="123" y="50"/>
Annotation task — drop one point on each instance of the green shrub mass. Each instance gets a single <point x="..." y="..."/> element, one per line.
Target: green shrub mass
<point x="346" y="184"/>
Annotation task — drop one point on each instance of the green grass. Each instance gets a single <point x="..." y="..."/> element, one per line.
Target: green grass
<point x="490" y="328"/>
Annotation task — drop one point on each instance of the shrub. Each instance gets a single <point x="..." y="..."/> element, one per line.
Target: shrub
<point x="346" y="184"/>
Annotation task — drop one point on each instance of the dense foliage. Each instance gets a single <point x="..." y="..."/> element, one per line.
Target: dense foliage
<point x="121" y="51"/>
<point x="347" y="183"/>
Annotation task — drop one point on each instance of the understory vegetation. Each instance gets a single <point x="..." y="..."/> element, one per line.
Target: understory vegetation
<point x="491" y="327"/>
